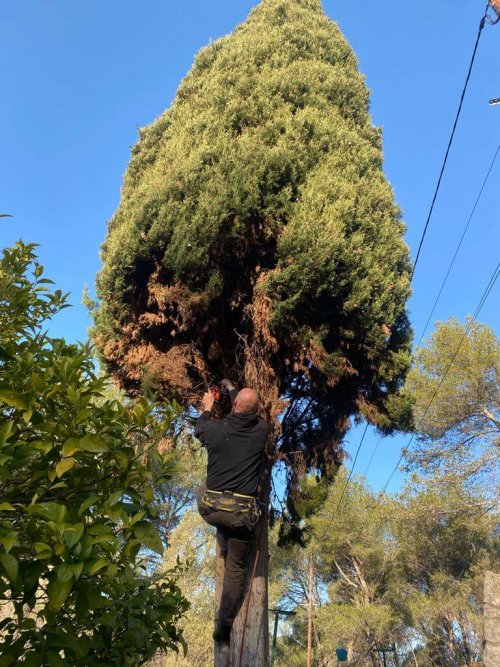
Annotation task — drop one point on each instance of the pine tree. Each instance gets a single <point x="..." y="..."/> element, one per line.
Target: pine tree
<point x="258" y="238"/>
<point x="455" y="388"/>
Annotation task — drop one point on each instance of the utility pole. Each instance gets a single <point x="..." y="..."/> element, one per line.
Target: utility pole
<point x="310" y="622"/>
<point x="491" y="619"/>
<point x="386" y="649"/>
<point x="277" y="613"/>
<point x="396" y="657"/>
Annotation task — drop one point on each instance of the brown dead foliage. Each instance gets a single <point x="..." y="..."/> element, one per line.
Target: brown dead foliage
<point x="259" y="351"/>
<point x="178" y="340"/>
<point x="181" y="343"/>
<point x="178" y="370"/>
<point x="175" y="303"/>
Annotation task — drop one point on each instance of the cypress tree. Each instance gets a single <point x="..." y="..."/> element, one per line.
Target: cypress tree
<point x="257" y="237"/>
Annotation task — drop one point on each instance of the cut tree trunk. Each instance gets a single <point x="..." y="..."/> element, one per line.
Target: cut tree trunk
<point x="491" y="619"/>
<point x="310" y="615"/>
<point x="221" y="651"/>
<point x="256" y="634"/>
<point x="396" y="656"/>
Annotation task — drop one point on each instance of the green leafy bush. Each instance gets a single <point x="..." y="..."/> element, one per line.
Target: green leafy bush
<point x="77" y="476"/>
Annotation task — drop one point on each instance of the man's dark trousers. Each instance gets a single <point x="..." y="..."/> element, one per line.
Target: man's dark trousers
<point x="234" y="540"/>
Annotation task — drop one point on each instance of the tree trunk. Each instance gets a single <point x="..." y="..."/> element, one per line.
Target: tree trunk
<point x="450" y="642"/>
<point x="491" y="619"/>
<point x="256" y="635"/>
<point x="310" y="615"/>
<point x="221" y="651"/>
<point x="252" y="641"/>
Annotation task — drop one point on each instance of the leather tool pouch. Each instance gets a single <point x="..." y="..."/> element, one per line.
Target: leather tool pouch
<point x="246" y="508"/>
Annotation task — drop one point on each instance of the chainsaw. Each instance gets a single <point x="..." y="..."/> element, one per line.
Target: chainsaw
<point x="219" y="392"/>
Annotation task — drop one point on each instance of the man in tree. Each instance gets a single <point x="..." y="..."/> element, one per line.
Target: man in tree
<point x="235" y="447"/>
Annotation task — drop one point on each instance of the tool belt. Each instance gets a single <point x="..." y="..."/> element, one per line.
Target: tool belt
<point x="245" y="507"/>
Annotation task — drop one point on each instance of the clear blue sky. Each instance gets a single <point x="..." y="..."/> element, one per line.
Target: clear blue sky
<point x="78" y="78"/>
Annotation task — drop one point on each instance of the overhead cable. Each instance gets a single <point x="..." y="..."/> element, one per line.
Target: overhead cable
<point x="348" y="479"/>
<point x="484" y="297"/>
<point x="450" y="142"/>
<point x="458" y="246"/>
<point x="485" y="18"/>
<point x="373" y="455"/>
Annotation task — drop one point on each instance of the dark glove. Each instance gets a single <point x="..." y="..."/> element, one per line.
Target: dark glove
<point x="227" y="384"/>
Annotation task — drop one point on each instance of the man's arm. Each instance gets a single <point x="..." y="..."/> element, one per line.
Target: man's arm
<point x="203" y="422"/>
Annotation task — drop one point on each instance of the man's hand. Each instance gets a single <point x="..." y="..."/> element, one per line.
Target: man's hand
<point x="227" y="383"/>
<point x="207" y="401"/>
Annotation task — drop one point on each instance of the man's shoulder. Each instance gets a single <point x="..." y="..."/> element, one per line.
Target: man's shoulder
<point x="263" y="425"/>
<point x="206" y="424"/>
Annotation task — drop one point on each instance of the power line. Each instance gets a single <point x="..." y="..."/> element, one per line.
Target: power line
<point x="429" y="216"/>
<point x="459" y="245"/>
<point x="484" y="297"/>
<point x="451" y="264"/>
<point x="450" y="142"/>
<point x="373" y="455"/>
<point x="438" y="186"/>
<point x="348" y="479"/>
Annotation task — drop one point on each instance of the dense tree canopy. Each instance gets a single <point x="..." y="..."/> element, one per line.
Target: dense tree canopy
<point x="257" y="237"/>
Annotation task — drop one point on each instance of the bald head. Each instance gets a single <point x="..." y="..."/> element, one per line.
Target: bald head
<point x="246" y="400"/>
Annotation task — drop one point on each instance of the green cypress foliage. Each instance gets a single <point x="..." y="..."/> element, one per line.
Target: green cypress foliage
<point x="258" y="237"/>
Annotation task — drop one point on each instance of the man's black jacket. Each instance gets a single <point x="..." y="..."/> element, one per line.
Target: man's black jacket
<point x="235" y="447"/>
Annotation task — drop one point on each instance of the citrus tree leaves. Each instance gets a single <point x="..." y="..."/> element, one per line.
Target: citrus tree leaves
<point x="6" y="430"/>
<point x="10" y="565"/>
<point x="77" y="475"/>
<point x="93" y="443"/>
<point x="147" y="534"/>
<point x="65" y="465"/>
<point x="58" y="593"/>
<point x="13" y="399"/>
<point x="72" y="534"/>
<point x="53" y="512"/>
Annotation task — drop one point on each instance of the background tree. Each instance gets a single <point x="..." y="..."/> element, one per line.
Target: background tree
<point x="404" y="571"/>
<point x="193" y="543"/>
<point x="257" y="238"/>
<point x="175" y="496"/>
<point x="359" y="564"/>
<point x="447" y="537"/>
<point x="77" y="475"/>
<point x="459" y="432"/>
